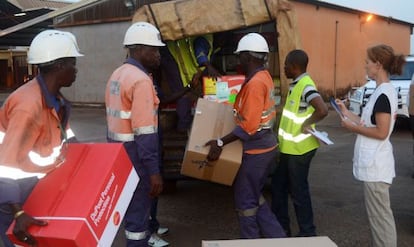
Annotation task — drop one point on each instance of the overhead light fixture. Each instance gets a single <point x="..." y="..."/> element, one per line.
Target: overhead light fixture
<point x="130" y="4"/>
<point x="368" y="18"/>
<point x="20" y="14"/>
<point x="364" y="20"/>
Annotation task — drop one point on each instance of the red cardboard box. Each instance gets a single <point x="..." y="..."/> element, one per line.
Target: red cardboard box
<point x="85" y="199"/>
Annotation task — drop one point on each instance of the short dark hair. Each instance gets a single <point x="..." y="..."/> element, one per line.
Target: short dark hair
<point x="298" y="58"/>
<point x="49" y="66"/>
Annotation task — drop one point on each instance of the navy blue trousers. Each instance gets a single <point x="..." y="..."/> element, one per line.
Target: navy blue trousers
<point x="248" y="188"/>
<point x="291" y="176"/>
<point x="137" y="215"/>
<point x="6" y="217"/>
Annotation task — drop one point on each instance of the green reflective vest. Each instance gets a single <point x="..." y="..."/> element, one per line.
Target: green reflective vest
<point x="291" y="138"/>
<point x="183" y="52"/>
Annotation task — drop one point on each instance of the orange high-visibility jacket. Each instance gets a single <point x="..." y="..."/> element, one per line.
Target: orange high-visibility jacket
<point x="132" y="112"/>
<point x="30" y="135"/>
<point x="255" y="113"/>
<point x="131" y="104"/>
<point x="255" y="104"/>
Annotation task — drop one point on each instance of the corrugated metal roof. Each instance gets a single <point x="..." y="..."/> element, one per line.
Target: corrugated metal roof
<point x="37" y="4"/>
<point x="19" y="30"/>
<point x="8" y="19"/>
<point x="107" y="11"/>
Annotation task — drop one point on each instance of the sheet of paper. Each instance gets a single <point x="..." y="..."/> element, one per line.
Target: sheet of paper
<point x="322" y="136"/>
<point x="222" y="90"/>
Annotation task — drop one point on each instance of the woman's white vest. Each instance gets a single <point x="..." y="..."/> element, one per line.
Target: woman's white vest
<point x="373" y="158"/>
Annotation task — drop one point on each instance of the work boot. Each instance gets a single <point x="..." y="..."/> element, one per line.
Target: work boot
<point x="156" y="241"/>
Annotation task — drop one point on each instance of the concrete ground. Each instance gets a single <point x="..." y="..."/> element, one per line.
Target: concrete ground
<point x="200" y="210"/>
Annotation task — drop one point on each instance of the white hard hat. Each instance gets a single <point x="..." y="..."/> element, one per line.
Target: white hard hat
<point x="143" y="33"/>
<point x="50" y="45"/>
<point x="252" y="42"/>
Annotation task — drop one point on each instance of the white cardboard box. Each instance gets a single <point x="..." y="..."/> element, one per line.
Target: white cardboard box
<point x="272" y="242"/>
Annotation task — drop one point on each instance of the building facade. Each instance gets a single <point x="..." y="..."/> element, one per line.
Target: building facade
<point x="334" y="37"/>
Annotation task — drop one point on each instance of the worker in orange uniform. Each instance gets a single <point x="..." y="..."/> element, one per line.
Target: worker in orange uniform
<point x="33" y="128"/>
<point x="132" y="117"/>
<point x="255" y="114"/>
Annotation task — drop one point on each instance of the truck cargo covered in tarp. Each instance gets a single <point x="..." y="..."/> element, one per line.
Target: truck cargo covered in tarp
<point x="185" y="18"/>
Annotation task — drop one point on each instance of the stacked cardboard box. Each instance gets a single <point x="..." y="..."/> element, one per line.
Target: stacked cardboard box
<point x="224" y="89"/>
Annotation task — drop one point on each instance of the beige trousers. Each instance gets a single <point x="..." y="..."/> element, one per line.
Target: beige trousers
<point x="381" y="219"/>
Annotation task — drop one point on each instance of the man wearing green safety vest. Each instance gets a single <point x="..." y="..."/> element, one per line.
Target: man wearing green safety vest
<point x="304" y="107"/>
<point x="186" y="60"/>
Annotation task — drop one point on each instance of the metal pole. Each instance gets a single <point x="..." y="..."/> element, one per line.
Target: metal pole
<point x="335" y="57"/>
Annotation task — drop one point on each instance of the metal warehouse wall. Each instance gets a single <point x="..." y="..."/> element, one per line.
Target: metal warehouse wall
<point x="103" y="50"/>
<point x="336" y="42"/>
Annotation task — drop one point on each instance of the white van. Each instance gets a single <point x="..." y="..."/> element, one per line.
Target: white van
<point x="359" y="97"/>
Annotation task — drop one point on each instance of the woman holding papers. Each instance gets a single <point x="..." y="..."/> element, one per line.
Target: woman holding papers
<point x="373" y="156"/>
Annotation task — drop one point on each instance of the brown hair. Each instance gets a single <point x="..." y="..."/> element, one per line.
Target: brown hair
<point x="385" y="55"/>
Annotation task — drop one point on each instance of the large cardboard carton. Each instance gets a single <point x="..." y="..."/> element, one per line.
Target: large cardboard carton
<point x="85" y="199"/>
<point x="212" y="120"/>
<point x="272" y="242"/>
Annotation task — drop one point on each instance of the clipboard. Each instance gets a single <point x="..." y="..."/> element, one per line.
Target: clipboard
<point x="336" y="107"/>
<point x="322" y="136"/>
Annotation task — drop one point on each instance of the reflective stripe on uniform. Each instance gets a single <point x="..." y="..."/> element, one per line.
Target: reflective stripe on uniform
<point x="47" y="160"/>
<point x="289" y="137"/>
<point x="118" y="113"/>
<point x="69" y="133"/>
<point x="39" y="160"/>
<point x="145" y="130"/>
<point x="266" y="125"/>
<point x="292" y="116"/>
<point x="122" y="137"/>
<point x="15" y="173"/>
<point x="251" y="211"/>
<point x="135" y="235"/>
<point x="268" y="112"/>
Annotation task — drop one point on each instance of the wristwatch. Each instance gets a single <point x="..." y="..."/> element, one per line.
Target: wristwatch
<point x="220" y="143"/>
